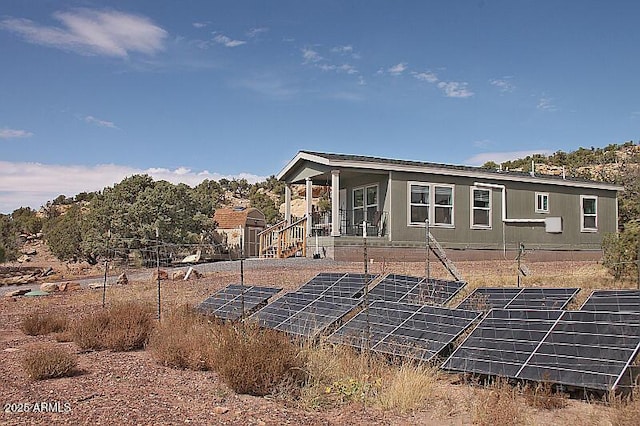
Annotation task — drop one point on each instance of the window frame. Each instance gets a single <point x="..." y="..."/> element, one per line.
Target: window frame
<point x="472" y="208"/>
<point x="538" y="208"/>
<point x="365" y="206"/>
<point x="431" y="204"/>
<point x="583" y="228"/>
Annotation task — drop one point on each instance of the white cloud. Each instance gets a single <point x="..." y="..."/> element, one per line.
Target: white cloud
<point x="6" y="133"/>
<point x="500" y="157"/>
<point x="429" y="77"/>
<point x="398" y="69"/>
<point x="546" y="104"/>
<point x="98" y="122"/>
<point x="227" y="42"/>
<point x="93" y="32"/>
<point x="361" y="81"/>
<point x="484" y="143"/>
<point x="455" y="89"/>
<point x="200" y="24"/>
<point x="33" y="184"/>
<point x="503" y="84"/>
<point x="254" y="32"/>
<point x="348" y="49"/>
<point x="311" y="56"/>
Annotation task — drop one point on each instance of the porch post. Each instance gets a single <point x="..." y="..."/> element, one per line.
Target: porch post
<point x="287" y="204"/>
<point x="335" y="203"/>
<point x="309" y="200"/>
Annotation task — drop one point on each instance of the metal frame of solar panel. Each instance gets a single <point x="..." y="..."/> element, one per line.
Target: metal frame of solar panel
<point x="613" y="301"/>
<point x="227" y="303"/>
<point x="587" y="350"/>
<point x="338" y="284"/>
<point x="519" y="298"/>
<point x="304" y="314"/>
<point x="409" y="289"/>
<point x="415" y="331"/>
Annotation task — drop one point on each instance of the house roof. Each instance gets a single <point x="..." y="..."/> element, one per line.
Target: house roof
<point x="376" y="163"/>
<point x="237" y="217"/>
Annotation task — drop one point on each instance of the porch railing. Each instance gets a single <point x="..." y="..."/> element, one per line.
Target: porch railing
<point x="377" y="226"/>
<point x="282" y="240"/>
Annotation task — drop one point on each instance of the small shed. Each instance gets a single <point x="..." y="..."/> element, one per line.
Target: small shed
<point x="246" y="222"/>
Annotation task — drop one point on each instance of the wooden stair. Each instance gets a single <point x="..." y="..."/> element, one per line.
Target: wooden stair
<point x="282" y="241"/>
<point x="437" y="249"/>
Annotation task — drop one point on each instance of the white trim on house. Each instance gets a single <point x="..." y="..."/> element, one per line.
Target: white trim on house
<point x="541" y="206"/>
<point x="431" y="203"/>
<point x="473" y="208"/>
<point x="583" y="215"/>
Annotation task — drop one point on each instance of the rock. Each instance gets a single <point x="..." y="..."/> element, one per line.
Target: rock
<point x="178" y="275"/>
<point x="48" y="272"/>
<point x="221" y="410"/>
<point x="20" y="292"/>
<point x="162" y="273"/>
<point x="24" y="258"/>
<point x="122" y="279"/>
<point x="94" y="286"/>
<point x="192" y="274"/>
<point x="49" y="287"/>
<point x="68" y="286"/>
<point x="29" y="252"/>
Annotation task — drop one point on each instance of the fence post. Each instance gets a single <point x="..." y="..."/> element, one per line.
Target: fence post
<point x="158" y="266"/>
<point x="241" y="272"/>
<point x="428" y="245"/>
<point x="638" y="263"/>
<point x="106" y="268"/>
<point x="366" y="280"/>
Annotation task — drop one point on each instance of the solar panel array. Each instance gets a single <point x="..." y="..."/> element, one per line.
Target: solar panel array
<point x="401" y="329"/>
<point x="485" y="298"/>
<point x="227" y="303"/>
<point x="613" y="301"/>
<point x="338" y="284"/>
<point x="304" y="314"/>
<point x="408" y="289"/>
<point x="590" y="350"/>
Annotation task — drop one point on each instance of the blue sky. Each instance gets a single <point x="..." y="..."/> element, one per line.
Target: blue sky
<point x="93" y="91"/>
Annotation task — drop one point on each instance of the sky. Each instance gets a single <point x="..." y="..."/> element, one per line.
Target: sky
<point x="94" y="91"/>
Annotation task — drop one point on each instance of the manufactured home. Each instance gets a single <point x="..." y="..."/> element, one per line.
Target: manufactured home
<point x="471" y="212"/>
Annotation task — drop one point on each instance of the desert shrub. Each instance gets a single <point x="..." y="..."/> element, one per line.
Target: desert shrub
<point x="542" y="395"/>
<point x="48" y="362"/>
<point x="625" y="410"/>
<point x="621" y="251"/>
<point x="43" y="323"/>
<point x="123" y="327"/>
<point x="184" y="339"/>
<point x="410" y="387"/>
<point x="258" y="361"/>
<point x="499" y="405"/>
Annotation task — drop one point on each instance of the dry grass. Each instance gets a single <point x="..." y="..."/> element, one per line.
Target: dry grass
<point x="411" y="387"/>
<point x="185" y="340"/>
<point x="125" y="326"/>
<point x="258" y="361"/>
<point x="500" y="405"/>
<point x="543" y="396"/>
<point x="44" y="362"/>
<point x="44" y="323"/>
<point x="625" y="411"/>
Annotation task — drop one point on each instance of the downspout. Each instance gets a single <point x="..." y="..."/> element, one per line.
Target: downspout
<point x="505" y="220"/>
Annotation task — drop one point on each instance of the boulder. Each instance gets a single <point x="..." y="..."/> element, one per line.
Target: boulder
<point x="24" y="258"/>
<point x="122" y="279"/>
<point x="192" y="274"/>
<point x="20" y="292"/>
<point x="178" y="275"/>
<point x="29" y="252"/>
<point x="49" y="287"/>
<point x="159" y="273"/>
<point x="69" y="286"/>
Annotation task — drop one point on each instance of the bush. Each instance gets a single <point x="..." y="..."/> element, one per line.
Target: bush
<point x="499" y="405"/>
<point x="542" y="395"/>
<point x="185" y="340"/>
<point x="621" y="251"/>
<point x="44" y="323"/>
<point x="123" y="327"/>
<point x="258" y="362"/>
<point x="47" y="363"/>
<point x="409" y="389"/>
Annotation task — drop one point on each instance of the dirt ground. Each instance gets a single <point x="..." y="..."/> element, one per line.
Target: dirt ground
<point x="131" y="388"/>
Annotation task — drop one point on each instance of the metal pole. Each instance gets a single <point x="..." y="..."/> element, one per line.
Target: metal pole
<point x="366" y="280"/>
<point x="241" y="273"/>
<point x="428" y="245"/>
<point x="158" y="266"/>
<point x="106" y="268"/>
<point x="638" y="263"/>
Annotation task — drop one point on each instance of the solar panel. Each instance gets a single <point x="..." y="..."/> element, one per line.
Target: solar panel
<point x="304" y="314"/>
<point x="613" y="301"/>
<point x="586" y="349"/>
<point x="227" y="303"/>
<point x="338" y="284"/>
<point x="401" y="329"/>
<point x="502" y="342"/>
<point x="485" y="298"/>
<point x="408" y="289"/>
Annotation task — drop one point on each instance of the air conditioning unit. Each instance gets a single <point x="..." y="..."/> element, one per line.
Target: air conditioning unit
<point x="553" y="225"/>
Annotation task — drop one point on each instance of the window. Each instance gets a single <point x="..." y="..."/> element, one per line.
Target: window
<point x="430" y="201"/>
<point x="481" y="208"/>
<point x="542" y="202"/>
<point x="588" y="213"/>
<point x="365" y="204"/>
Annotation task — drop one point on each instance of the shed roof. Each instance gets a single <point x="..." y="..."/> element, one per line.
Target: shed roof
<point x="377" y="163"/>
<point x="237" y="217"/>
